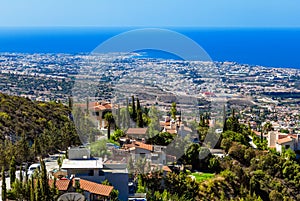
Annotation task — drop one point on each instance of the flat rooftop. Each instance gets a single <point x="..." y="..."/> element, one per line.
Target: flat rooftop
<point x="96" y="163"/>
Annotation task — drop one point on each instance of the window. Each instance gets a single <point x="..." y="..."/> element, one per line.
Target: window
<point x="101" y="173"/>
<point x="287" y="146"/>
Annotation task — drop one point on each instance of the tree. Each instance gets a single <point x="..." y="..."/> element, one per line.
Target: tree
<point x="139" y="120"/>
<point x="99" y="148"/>
<point x="12" y="170"/>
<point x="275" y="196"/>
<point x="127" y="115"/>
<point x="173" y="111"/>
<point x="3" y="184"/>
<point x="267" y="127"/>
<point x="70" y="102"/>
<point x="117" y="135"/>
<point x="110" y="119"/>
<point x="153" y="127"/>
<point x="44" y="182"/>
<point x="114" y="193"/>
<point x="214" y="165"/>
<point x="87" y="106"/>
<point x="133" y="115"/>
<point x="59" y="162"/>
<point x="32" y="190"/>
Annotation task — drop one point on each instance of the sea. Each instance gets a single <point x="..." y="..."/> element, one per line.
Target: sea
<point x="269" y="47"/>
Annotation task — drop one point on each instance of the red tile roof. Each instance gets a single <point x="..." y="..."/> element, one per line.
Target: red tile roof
<point x="61" y="184"/>
<point x="144" y="146"/>
<point x="139" y="145"/>
<point x="95" y="188"/>
<point x="284" y="140"/>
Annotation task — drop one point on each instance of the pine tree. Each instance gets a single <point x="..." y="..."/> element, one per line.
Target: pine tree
<point x="3" y="184"/>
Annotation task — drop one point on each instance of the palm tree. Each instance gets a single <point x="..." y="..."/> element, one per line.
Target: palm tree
<point x="268" y="127"/>
<point x="110" y="119"/>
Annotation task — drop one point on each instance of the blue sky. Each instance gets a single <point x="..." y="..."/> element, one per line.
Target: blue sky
<point x="151" y="13"/>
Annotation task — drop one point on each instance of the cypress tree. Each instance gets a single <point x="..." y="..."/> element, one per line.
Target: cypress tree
<point x="32" y="193"/>
<point x="87" y="106"/>
<point x="133" y="109"/>
<point x="127" y="114"/>
<point x="12" y="170"/>
<point x="70" y="102"/>
<point x="139" y="120"/>
<point x="3" y="185"/>
<point x="38" y="190"/>
<point x="173" y="111"/>
<point x="224" y="119"/>
<point x="44" y="181"/>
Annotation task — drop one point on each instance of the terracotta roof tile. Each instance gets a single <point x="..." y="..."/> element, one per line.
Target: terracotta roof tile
<point x="284" y="140"/>
<point x="144" y="146"/>
<point x="95" y="188"/>
<point x="61" y="184"/>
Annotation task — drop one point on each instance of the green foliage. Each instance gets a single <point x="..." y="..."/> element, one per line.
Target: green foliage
<point x="173" y="110"/>
<point x="12" y="170"/>
<point x="31" y="124"/>
<point x="200" y="177"/>
<point x="153" y="126"/>
<point x="214" y="165"/>
<point x="236" y="137"/>
<point x="141" y="187"/>
<point x="181" y="185"/>
<point x="133" y="113"/>
<point x="110" y="120"/>
<point x="117" y="135"/>
<point x="99" y="148"/>
<point x="3" y="187"/>
<point x="163" y="139"/>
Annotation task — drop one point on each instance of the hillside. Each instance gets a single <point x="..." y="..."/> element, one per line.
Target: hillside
<point x="30" y="128"/>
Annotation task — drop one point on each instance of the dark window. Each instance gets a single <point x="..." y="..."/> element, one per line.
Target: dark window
<point x="101" y="173"/>
<point x="91" y="173"/>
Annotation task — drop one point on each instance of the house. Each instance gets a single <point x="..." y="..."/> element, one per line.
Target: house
<point x="154" y="153"/>
<point x="92" y="191"/>
<point x="286" y="143"/>
<point x="281" y="141"/>
<point x="81" y="165"/>
<point x="137" y="133"/>
<point x="99" y="109"/>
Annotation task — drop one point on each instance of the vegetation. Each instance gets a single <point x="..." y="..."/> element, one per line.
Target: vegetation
<point x="29" y="129"/>
<point x="244" y="174"/>
<point x="200" y="177"/>
<point x="34" y="188"/>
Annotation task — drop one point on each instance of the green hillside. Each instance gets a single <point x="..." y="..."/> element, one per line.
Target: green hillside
<point x="30" y="128"/>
